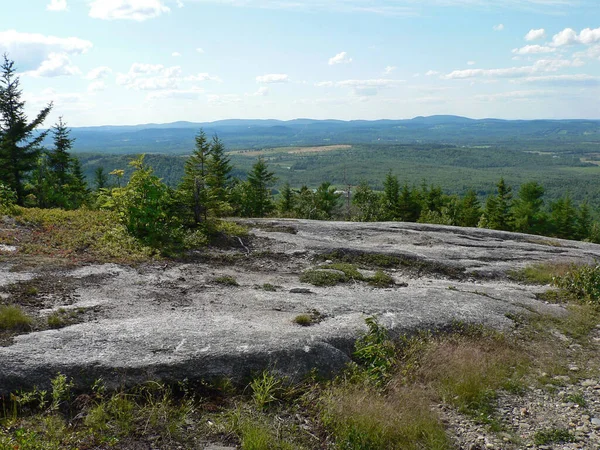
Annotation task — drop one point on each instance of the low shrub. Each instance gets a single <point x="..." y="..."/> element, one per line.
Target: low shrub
<point x="583" y="282"/>
<point x="12" y="318"/>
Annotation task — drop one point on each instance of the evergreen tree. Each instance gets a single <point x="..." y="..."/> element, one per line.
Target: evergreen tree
<point x="194" y="190"/>
<point x="497" y="208"/>
<point x="584" y="221"/>
<point x="326" y="199"/>
<point x="367" y="203"/>
<point x="218" y="171"/>
<point x="258" y="196"/>
<point x="564" y="218"/>
<point x="527" y="214"/>
<point x="19" y="146"/>
<point x="390" y="201"/>
<point x="409" y="209"/>
<point x="287" y="199"/>
<point x="100" y="178"/>
<point x="77" y="188"/>
<point x="470" y="210"/>
<point x="59" y="160"/>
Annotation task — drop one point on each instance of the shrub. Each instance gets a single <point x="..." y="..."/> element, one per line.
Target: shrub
<point x="376" y="352"/>
<point x="226" y="280"/>
<point x="8" y="199"/>
<point x="381" y="280"/>
<point x="322" y="277"/>
<point x="581" y="281"/>
<point x="304" y="320"/>
<point x="14" y="319"/>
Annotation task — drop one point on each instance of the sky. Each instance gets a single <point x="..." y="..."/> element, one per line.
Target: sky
<point x="122" y="62"/>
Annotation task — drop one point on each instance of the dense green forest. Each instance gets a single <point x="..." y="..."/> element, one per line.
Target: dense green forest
<point x="171" y="203"/>
<point x="455" y="169"/>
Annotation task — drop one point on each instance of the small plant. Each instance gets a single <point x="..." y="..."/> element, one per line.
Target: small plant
<point x="56" y="320"/>
<point x="381" y="280"/>
<point x="322" y="277"/>
<point x="61" y="391"/>
<point x="376" y="352"/>
<point x="13" y="318"/>
<point x="31" y="291"/>
<point x="553" y="436"/>
<point x="304" y="320"/>
<point x="581" y="281"/>
<point x="264" y="389"/>
<point x="577" y="398"/>
<point x="269" y="287"/>
<point x="226" y="280"/>
<point x="350" y="270"/>
<point x="543" y="273"/>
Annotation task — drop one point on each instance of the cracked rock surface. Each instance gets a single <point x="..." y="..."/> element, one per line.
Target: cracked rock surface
<point x="176" y="320"/>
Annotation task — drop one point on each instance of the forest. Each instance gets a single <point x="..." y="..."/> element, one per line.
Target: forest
<point x="172" y="203"/>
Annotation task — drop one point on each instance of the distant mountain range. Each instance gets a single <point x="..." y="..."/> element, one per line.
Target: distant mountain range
<point x="178" y="137"/>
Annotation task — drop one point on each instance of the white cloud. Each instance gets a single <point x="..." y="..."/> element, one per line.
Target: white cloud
<point x="96" y="86"/>
<point x="533" y="49"/>
<point x="564" y="80"/>
<point x="568" y="36"/>
<point x="263" y="91"/>
<point x="340" y="58"/>
<point x="498" y="27"/>
<point x="272" y="78"/>
<point x="176" y="54"/>
<point x="148" y="77"/>
<point x="181" y="94"/>
<point x="431" y="73"/>
<point x="57" y="5"/>
<point x="57" y="64"/>
<point x="533" y="35"/>
<point x="543" y="65"/>
<point x="389" y="69"/>
<point x="220" y="100"/>
<point x="471" y="63"/>
<point x="513" y="95"/>
<point x="203" y="77"/>
<point x="138" y="10"/>
<point x="200" y="50"/>
<point x="98" y="73"/>
<point x="31" y="50"/>
<point x="363" y="88"/>
<point x="179" y="3"/>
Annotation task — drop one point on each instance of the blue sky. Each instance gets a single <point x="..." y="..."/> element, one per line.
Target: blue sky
<point x="139" y="61"/>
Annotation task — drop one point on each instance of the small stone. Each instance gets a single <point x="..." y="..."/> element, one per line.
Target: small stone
<point x="301" y="291"/>
<point x="574" y="368"/>
<point x="595" y="421"/>
<point x="588" y="383"/>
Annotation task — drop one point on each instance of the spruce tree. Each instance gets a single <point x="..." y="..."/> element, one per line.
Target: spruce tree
<point x="193" y="190"/>
<point x="19" y="144"/>
<point x="100" y="178"/>
<point x="260" y="179"/>
<point x="287" y="199"/>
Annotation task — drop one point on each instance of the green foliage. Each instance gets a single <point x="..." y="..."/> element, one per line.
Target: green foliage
<point x="322" y="277"/>
<point x="381" y="280"/>
<point x="256" y="199"/>
<point x="542" y="273"/>
<point x="304" y="320"/>
<point x="498" y="208"/>
<point x="367" y="203"/>
<point x="226" y="280"/>
<point x="265" y="389"/>
<point x="553" y="436"/>
<point x="8" y="199"/>
<point x="19" y="141"/>
<point x="145" y="207"/>
<point x="12" y="318"/>
<point x="582" y="282"/>
<point x="61" y="391"/>
<point x="376" y="353"/>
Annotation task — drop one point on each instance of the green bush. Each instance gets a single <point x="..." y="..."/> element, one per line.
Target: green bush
<point x="583" y="282"/>
<point x="14" y="319"/>
<point x="376" y="352"/>
<point x="8" y="199"/>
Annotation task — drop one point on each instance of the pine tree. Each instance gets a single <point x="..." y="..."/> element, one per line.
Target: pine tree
<point x="259" y="201"/>
<point x="194" y="185"/>
<point x="564" y="218"/>
<point x="470" y="210"/>
<point x="367" y="202"/>
<point x="19" y="146"/>
<point x="218" y="171"/>
<point x="409" y="209"/>
<point x="326" y="200"/>
<point x="286" y="202"/>
<point x="77" y="188"/>
<point x="527" y="214"/>
<point x="497" y="208"/>
<point x="100" y="178"/>
<point x="390" y="201"/>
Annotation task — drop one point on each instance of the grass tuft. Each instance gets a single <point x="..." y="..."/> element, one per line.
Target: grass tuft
<point x="13" y="318"/>
<point x="226" y="280"/>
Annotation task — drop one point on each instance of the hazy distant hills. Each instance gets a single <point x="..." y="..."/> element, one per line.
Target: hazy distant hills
<point x="178" y="137"/>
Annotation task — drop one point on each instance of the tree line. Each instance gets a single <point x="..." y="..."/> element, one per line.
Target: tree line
<point x="164" y="216"/>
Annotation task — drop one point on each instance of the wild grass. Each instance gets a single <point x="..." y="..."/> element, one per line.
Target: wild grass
<point x="381" y="280"/>
<point x="12" y="318"/>
<point x="304" y="320"/>
<point x="322" y="277"/>
<point x="543" y="273"/>
<point x="226" y="280"/>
